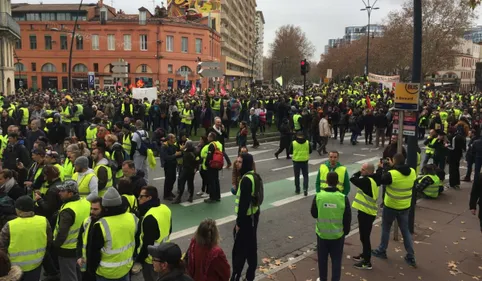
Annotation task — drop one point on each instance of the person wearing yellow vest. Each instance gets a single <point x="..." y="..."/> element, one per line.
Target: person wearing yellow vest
<point x="110" y="251"/>
<point x="91" y="132"/>
<point x="430" y="145"/>
<point x="67" y="114"/>
<point x="300" y="150"/>
<point x="332" y="165"/>
<point x="95" y="214"/>
<point x="126" y="139"/>
<point x="126" y="190"/>
<point x="23" y="117"/>
<point x="73" y="152"/>
<point x="117" y="156"/>
<point x="86" y="179"/>
<point x="147" y="116"/>
<point x="26" y="239"/>
<point x="365" y="202"/>
<point x="35" y="177"/>
<point x="247" y="212"/>
<point x="66" y="234"/>
<point x="216" y="104"/>
<point x="155" y="228"/>
<point x="53" y="158"/>
<point x="187" y="115"/>
<point x="297" y="119"/>
<point x="332" y="212"/>
<point x="78" y="110"/>
<point x="429" y="184"/>
<point x="102" y="170"/>
<point x="399" y="180"/>
<point x="127" y="109"/>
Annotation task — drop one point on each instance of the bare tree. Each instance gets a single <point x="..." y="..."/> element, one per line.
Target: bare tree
<point x="290" y="42"/>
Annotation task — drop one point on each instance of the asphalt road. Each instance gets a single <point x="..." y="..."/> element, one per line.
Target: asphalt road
<point x="285" y="223"/>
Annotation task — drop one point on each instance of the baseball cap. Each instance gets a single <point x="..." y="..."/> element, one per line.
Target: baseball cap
<point x="165" y="252"/>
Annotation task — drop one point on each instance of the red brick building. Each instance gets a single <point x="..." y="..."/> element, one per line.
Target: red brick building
<point x="162" y="51"/>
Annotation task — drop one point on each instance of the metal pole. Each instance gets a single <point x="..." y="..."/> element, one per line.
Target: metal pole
<point x="304" y="84"/>
<point x="399" y="150"/>
<point x="368" y="41"/>
<point x="72" y="46"/>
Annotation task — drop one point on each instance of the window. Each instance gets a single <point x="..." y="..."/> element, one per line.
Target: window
<point x="64" y="16"/>
<point x="33" y="42"/>
<point x="103" y="16"/>
<point x="142" y="17"/>
<point x="199" y="45"/>
<point x="48" y="67"/>
<point x="64" y="67"/>
<point x="144" y="68"/>
<point x="48" y="42"/>
<point x="184" y="44"/>
<point x="19" y="67"/>
<point x="18" y="44"/>
<point x="96" y="67"/>
<point x="110" y="42"/>
<point x="80" y="68"/>
<point x="48" y="16"/>
<point x="63" y="42"/>
<point x="34" y="82"/>
<point x="170" y="43"/>
<point x="169" y="68"/>
<point x="79" y="42"/>
<point x="95" y="42"/>
<point x="34" y="66"/>
<point x="127" y="42"/>
<point x="33" y="17"/>
<point x="143" y="42"/>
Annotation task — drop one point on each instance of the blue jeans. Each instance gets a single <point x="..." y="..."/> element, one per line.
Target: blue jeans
<point x="303" y="166"/>
<point x="124" y="278"/>
<point x="388" y="217"/>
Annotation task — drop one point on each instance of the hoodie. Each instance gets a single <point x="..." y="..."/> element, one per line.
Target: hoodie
<point x="93" y="184"/>
<point x="300" y="141"/>
<point x="346" y="181"/>
<point x="243" y="220"/>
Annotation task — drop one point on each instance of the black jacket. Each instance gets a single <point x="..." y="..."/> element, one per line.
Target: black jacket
<point x="175" y="275"/>
<point x="219" y="137"/>
<point x="66" y="220"/>
<point x="346" y="214"/>
<point x="7" y="209"/>
<point x="50" y="203"/>
<point x="476" y="195"/>
<point x="138" y="182"/>
<point x="364" y="183"/>
<point x="168" y="155"/>
<point x="386" y="177"/>
<point x="11" y="153"/>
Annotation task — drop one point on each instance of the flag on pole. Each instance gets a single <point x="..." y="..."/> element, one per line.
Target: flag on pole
<point x="193" y="90"/>
<point x="212" y="91"/>
<point x="369" y="103"/>
<point x="280" y="80"/>
<point x="223" y="91"/>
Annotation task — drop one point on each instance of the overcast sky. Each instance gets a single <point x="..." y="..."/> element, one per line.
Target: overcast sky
<point x="320" y="20"/>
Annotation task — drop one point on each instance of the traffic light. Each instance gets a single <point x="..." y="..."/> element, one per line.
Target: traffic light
<point x="304" y="66"/>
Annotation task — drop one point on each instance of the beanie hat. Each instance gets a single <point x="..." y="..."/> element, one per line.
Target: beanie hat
<point x="82" y="162"/>
<point x="69" y="185"/>
<point x="25" y="204"/>
<point x="111" y="198"/>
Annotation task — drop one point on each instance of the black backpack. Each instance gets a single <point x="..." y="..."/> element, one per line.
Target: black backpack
<point x="258" y="198"/>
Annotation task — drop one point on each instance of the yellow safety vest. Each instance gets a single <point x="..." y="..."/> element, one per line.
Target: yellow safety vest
<point x="331" y="208"/>
<point x="11" y="110"/>
<point x="3" y="144"/>
<point x="126" y="143"/>
<point x="83" y="185"/>
<point x="216" y="105"/>
<point x="433" y="189"/>
<point x="85" y="235"/>
<point x="365" y="203"/>
<point x="162" y="214"/>
<point x="119" y="174"/>
<point x="81" y="208"/>
<point x="296" y="122"/>
<point x="398" y="195"/>
<point x="185" y="115"/>
<point x="429" y="148"/>
<point x="90" y="135"/>
<point x="110" y="182"/>
<point x="148" y="106"/>
<point x="116" y="257"/>
<point x="66" y="112"/>
<point x="25" y="116"/>
<point x="301" y="152"/>
<point x="340" y="170"/>
<point x="45" y="186"/>
<point x="132" y="202"/>
<point x="123" y="109"/>
<point x="252" y="209"/>
<point x="68" y="169"/>
<point x="180" y="105"/>
<point x="28" y="242"/>
<point x="80" y="111"/>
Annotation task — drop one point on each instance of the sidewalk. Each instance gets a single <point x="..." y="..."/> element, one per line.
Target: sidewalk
<point x="447" y="241"/>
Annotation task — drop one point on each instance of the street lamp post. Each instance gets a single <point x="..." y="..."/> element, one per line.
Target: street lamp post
<point x="369" y="8"/>
<point x="20" y="81"/>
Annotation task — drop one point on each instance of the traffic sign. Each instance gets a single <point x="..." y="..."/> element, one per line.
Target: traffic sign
<point x="407" y="96"/>
<point x="409" y="123"/>
<point x="119" y="67"/>
<point x="91" y="79"/>
<point x="210" y="69"/>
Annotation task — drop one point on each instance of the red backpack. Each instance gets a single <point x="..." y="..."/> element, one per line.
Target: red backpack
<point x="218" y="158"/>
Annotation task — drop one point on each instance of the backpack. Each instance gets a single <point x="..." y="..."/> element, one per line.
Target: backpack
<point x="145" y="145"/>
<point x="218" y="158"/>
<point x="258" y="197"/>
<point x="352" y="120"/>
<point x="112" y="163"/>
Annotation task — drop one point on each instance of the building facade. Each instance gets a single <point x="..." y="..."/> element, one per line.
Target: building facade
<point x="9" y="34"/>
<point x="160" y="51"/>
<point x="353" y="33"/>
<point x="474" y="34"/>
<point x="260" y="51"/>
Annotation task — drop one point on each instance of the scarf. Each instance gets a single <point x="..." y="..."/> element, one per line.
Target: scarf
<point x="216" y="129"/>
<point x="7" y="186"/>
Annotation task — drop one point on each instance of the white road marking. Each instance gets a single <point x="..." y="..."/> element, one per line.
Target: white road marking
<point x="362" y="155"/>
<point x="309" y="175"/>
<point x="282" y="168"/>
<point x="373" y="159"/>
<point x="264" y="160"/>
<point x="255" y="152"/>
<point x="365" y="148"/>
<point x="191" y="230"/>
<point x="158" y="179"/>
<point x="317" y="161"/>
<point x="201" y="200"/>
<point x="292" y="199"/>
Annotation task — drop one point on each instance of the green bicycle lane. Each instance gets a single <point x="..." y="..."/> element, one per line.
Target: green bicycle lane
<point x="187" y="218"/>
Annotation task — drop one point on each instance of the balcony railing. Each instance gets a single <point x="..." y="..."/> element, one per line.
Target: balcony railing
<point x="7" y="22"/>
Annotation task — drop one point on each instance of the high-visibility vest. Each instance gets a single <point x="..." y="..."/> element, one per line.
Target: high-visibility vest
<point x="162" y="214"/>
<point x="204" y="155"/>
<point x="148" y="106"/>
<point x="296" y="122"/>
<point x="340" y="170"/>
<point x="123" y="109"/>
<point x="429" y="148"/>
<point x="45" y="186"/>
<point x="116" y="257"/>
<point x="331" y="207"/>
<point x="365" y="203"/>
<point x="398" y="195"/>
<point x="110" y="182"/>
<point x="66" y="112"/>
<point x="301" y="152"/>
<point x="216" y="104"/>
<point x="185" y="115"/>
<point x="85" y="235"/>
<point x="126" y="143"/>
<point x="252" y="209"/>
<point x="68" y="169"/>
<point x="61" y="171"/>
<point x="419" y="159"/>
<point x="90" y="135"/>
<point x="433" y="189"/>
<point x="180" y="105"/>
<point x="119" y="174"/>
<point x="81" y="208"/>
<point x="132" y="202"/>
<point x="80" y="111"/>
<point x="25" y="116"/>
<point x="3" y="144"/>
<point x="28" y="242"/>
<point x="11" y="110"/>
<point x="83" y="185"/>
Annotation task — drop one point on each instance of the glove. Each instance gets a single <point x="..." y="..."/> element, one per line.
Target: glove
<point x="233" y="190"/>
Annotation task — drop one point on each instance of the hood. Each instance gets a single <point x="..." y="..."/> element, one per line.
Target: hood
<point x="102" y="161"/>
<point x="92" y="126"/>
<point x="327" y="163"/>
<point x="7" y="186"/>
<point x="300" y="141"/>
<point x="174" y="275"/>
<point x="403" y="169"/>
<point x="247" y="163"/>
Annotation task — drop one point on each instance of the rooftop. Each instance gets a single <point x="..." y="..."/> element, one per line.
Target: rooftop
<point x="25" y="7"/>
